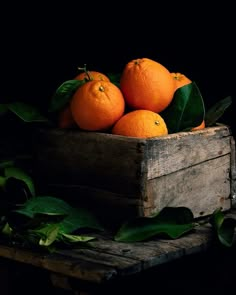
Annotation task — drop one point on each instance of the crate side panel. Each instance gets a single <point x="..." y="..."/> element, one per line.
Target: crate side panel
<point x="202" y="188"/>
<point x="96" y="159"/>
<point x="185" y="149"/>
<point x="108" y="206"/>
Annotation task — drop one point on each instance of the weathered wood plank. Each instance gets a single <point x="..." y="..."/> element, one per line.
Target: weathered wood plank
<point x="122" y="264"/>
<point x="137" y="176"/>
<point x="102" y="159"/>
<point x="202" y="188"/>
<point x="96" y="156"/>
<point x="209" y="182"/>
<point x="104" y="204"/>
<point x="107" y="259"/>
<point x="69" y="266"/>
<point x="158" y="251"/>
<point x="185" y="149"/>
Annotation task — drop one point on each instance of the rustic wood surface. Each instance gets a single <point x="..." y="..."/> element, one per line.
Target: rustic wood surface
<point x="185" y="149"/>
<point x="202" y="188"/>
<point x="138" y="177"/>
<point x="105" y="259"/>
<point x="121" y="164"/>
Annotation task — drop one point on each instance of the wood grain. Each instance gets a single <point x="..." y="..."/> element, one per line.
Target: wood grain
<point x="121" y="176"/>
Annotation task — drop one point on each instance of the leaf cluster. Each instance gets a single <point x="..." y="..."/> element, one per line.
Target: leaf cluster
<point x="35" y="220"/>
<point x="46" y="221"/>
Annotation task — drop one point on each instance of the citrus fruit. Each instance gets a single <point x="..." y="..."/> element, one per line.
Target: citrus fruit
<point x="180" y="81"/>
<point x="147" y="84"/>
<point x="97" y="105"/>
<point x="65" y="119"/>
<point x="92" y="75"/>
<point x="199" y="127"/>
<point x="140" y="123"/>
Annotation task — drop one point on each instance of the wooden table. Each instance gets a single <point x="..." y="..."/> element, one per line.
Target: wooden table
<point x="107" y="263"/>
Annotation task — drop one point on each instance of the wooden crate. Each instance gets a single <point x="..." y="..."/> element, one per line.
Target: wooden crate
<point x="121" y="177"/>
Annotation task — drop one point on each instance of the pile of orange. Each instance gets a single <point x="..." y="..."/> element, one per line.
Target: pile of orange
<point x="133" y="109"/>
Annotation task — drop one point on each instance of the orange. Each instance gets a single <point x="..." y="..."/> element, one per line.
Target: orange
<point x="97" y="105"/>
<point x="182" y="80"/>
<point x="147" y="84"/>
<point x="140" y="123"/>
<point x="199" y="127"/>
<point x="92" y="75"/>
<point x="65" y="119"/>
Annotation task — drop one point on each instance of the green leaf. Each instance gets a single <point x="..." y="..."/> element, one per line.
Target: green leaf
<point x="21" y="175"/>
<point x="63" y="94"/>
<point x="170" y="221"/>
<point x="80" y="218"/>
<point x="26" y="112"/>
<point x="217" y="110"/>
<point x="47" y="234"/>
<point x="186" y="110"/>
<point x="67" y="238"/>
<point x="217" y="218"/>
<point x="224" y="227"/>
<point x="7" y="230"/>
<point x="22" y="220"/>
<point x="226" y="232"/>
<point x="43" y="220"/>
<point x="44" y="205"/>
<point x="74" y="218"/>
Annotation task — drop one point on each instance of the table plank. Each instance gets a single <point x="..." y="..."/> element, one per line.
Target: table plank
<point x="106" y="259"/>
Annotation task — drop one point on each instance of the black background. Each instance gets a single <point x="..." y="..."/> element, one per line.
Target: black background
<point x="42" y="44"/>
